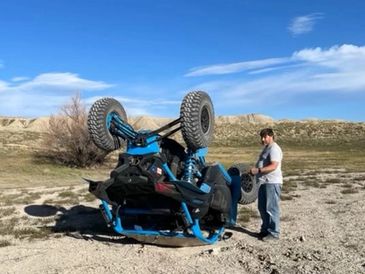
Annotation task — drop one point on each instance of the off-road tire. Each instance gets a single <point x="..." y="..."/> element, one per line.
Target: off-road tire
<point x="197" y="119"/>
<point x="97" y="123"/>
<point x="249" y="186"/>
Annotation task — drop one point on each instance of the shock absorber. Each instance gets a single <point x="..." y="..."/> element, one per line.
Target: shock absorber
<point x="189" y="167"/>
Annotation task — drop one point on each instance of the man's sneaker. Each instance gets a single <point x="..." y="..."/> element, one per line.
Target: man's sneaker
<point x="269" y="237"/>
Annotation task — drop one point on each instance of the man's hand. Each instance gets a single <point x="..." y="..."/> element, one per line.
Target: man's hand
<point x="254" y="170"/>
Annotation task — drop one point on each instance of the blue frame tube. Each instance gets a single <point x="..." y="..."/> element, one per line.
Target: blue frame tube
<point x="225" y="174"/>
<point x="195" y="227"/>
<point x="169" y="172"/>
<point x="122" y="128"/>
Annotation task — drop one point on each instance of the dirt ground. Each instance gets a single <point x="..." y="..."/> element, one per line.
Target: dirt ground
<point x="322" y="232"/>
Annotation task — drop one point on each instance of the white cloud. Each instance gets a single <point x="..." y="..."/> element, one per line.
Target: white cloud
<point x="31" y="104"/>
<point x="280" y="67"/>
<point x="341" y="58"/>
<point x="304" y="24"/>
<point x="235" y="67"/>
<point x="344" y="57"/>
<point x="53" y="82"/>
<point x="19" y="79"/>
<point x="135" y="101"/>
<point x="337" y="70"/>
<point x="3" y="85"/>
<point x="143" y="102"/>
<point x="44" y="94"/>
<point x="136" y="106"/>
<point x="62" y="81"/>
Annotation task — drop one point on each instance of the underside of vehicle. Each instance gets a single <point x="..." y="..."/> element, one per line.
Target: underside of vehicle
<point x="161" y="191"/>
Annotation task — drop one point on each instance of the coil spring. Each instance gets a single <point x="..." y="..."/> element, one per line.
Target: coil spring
<point x="189" y="167"/>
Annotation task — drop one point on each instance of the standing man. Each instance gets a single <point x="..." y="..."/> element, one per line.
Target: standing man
<point x="269" y="175"/>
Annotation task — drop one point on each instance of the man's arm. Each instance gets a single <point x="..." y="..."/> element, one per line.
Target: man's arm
<point x="267" y="169"/>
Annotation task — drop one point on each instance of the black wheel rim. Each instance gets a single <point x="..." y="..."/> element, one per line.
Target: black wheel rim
<point x="246" y="183"/>
<point x="204" y="119"/>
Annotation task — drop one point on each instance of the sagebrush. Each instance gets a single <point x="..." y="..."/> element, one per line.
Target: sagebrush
<point x="67" y="139"/>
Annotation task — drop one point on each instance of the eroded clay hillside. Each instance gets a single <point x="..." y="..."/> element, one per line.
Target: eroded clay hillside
<point x="238" y="130"/>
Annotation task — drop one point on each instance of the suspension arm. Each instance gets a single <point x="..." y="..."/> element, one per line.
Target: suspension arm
<point x="122" y="129"/>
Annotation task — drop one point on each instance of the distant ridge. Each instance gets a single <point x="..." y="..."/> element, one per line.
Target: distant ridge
<point x="236" y="130"/>
<point x="30" y="124"/>
<point x="138" y="122"/>
<point x="247" y="118"/>
<point x="148" y="122"/>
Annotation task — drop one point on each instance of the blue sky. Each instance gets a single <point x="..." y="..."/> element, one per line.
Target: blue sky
<point x="285" y="59"/>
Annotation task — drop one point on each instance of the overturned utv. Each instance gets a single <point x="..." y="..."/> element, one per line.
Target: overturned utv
<point x="160" y="191"/>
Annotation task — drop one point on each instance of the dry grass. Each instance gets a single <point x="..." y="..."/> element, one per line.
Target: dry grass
<point x="32" y="233"/>
<point x="88" y="197"/>
<point x="284" y="197"/>
<point x="62" y="202"/>
<point x="20" y="198"/>
<point x="312" y="134"/>
<point x="245" y="214"/>
<point x="360" y="178"/>
<point x="4" y="243"/>
<point x="26" y="228"/>
<point x="297" y="160"/>
<point x="7" y="211"/>
<point x="350" y="191"/>
<point x="311" y="183"/>
<point x="286" y="218"/>
<point x="19" y="169"/>
<point x="333" y="181"/>
<point x="67" y="194"/>
<point x="289" y="186"/>
<point x="7" y="226"/>
<point x="45" y="221"/>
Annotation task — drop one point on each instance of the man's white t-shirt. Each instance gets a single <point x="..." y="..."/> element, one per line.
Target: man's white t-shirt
<point x="270" y="153"/>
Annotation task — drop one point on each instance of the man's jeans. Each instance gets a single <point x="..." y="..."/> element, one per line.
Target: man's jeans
<point x="268" y="204"/>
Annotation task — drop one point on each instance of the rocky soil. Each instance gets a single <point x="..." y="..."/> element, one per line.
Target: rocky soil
<point x="322" y="232"/>
<point x="60" y="230"/>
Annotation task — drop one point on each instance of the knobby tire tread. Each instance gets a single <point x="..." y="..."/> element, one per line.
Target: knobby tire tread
<point x="97" y="123"/>
<point x="190" y="115"/>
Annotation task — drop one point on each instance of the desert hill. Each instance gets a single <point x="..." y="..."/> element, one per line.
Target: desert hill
<point x="247" y="118"/>
<point x="235" y="130"/>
